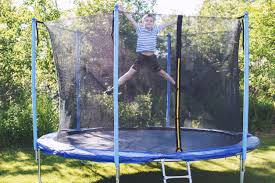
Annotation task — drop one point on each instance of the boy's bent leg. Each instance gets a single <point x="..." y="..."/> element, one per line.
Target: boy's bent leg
<point x="166" y="76"/>
<point x="128" y="75"/>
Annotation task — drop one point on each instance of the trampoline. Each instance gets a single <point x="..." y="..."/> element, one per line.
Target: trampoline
<point x="97" y="144"/>
<point x="200" y="119"/>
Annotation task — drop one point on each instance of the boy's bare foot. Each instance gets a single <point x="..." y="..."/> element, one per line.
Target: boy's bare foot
<point x="109" y="91"/>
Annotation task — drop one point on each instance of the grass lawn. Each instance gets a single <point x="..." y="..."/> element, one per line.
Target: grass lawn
<point x="18" y="166"/>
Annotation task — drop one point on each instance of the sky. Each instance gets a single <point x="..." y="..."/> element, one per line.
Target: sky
<point x="185" y="7"/>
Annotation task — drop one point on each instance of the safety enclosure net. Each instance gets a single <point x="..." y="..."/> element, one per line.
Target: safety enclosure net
<point x="83" y="54"/>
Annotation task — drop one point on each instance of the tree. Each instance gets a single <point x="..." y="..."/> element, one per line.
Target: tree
<point x="15" y="65"/>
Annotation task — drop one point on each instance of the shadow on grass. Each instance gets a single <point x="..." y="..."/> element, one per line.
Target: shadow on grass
<point x="197" y="176"/>
<point x="26" y="157"/>
<point x="253" y="175"/>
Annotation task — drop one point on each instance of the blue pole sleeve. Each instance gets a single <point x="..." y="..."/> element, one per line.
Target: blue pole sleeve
<point x="246" y="85"/>
<point x="168" y="101"/>
<point x="34" y="114"/>
<point x="115" y="81"/>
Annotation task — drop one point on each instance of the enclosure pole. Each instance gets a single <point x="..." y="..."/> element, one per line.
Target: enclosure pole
<point x="77" y="77"/>
<point x="245" y="96"/>
<point x="115" y="80"/>
<point x="178" y="90"/>
<point x="168" y="83"/>
<point x="34" y="116"/>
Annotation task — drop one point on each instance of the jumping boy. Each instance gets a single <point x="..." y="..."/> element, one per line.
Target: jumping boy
<point x="147" y="33"/>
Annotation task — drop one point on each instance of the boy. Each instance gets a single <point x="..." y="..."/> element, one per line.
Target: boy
<point x="146" y="45"/>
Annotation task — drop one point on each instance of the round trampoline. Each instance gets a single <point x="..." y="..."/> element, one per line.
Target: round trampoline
<point x="97" y="144"/>
<point x="150" y="120"/>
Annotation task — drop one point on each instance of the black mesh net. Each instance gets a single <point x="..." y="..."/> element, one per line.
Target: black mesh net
<point x="83" y="54"/>
<point x="210" y="75"/>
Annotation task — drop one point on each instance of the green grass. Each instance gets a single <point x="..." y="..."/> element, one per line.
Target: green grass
<point x="18" y="166"/>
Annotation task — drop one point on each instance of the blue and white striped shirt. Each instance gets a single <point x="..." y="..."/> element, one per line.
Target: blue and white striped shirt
<point x="147" y="39"/>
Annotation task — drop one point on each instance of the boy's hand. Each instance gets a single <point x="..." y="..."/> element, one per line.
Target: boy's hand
<point x="120" y="5"/>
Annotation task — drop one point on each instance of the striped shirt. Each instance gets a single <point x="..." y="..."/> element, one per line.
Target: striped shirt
<point x="147" y="39"/>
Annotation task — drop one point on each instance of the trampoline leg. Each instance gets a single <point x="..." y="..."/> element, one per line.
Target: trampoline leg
<point x="39" y="165"/>
<point x="242" y="171"/>
<point x="117" y="174"/>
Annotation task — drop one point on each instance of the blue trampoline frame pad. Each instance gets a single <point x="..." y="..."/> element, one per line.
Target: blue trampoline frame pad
<point x="145" y="145"/>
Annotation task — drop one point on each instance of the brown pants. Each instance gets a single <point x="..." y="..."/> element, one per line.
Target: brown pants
<point x="146" y="61"/>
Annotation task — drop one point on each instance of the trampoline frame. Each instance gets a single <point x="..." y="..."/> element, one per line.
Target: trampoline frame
<point x="116" y="122"/>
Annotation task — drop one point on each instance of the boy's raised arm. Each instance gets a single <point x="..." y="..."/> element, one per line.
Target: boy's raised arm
<point x="129" y="17"/>
<point x="163" y="26"/>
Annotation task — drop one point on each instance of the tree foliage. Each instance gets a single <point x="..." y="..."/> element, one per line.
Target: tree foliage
<point x="89" y="7"/>
<point x="15" y="66"/>
<point x="15" y="60"/>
